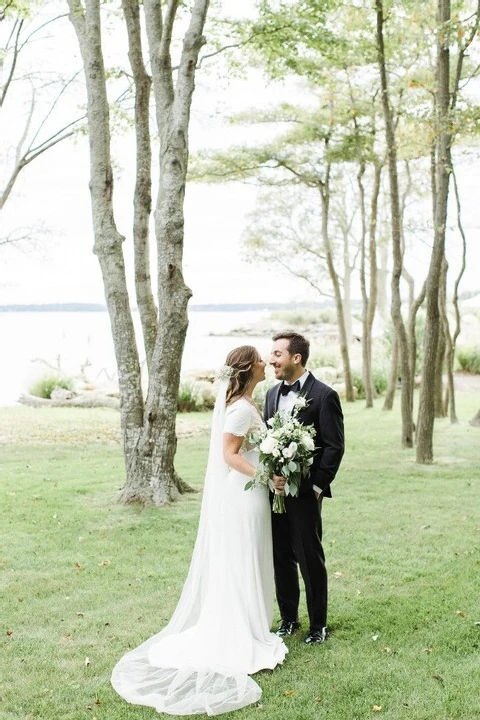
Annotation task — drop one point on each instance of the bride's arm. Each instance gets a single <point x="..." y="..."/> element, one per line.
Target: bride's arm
<point x="231" y="447"/>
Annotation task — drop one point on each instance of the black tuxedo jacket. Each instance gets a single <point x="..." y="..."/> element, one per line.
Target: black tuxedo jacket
<point x="324" y="412"/>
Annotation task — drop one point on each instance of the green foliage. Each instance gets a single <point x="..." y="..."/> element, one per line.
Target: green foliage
<point x="358" y="384"/>
<point x="468" y="359"/>
<point x="403" y="584"/>
<point x="44" y="386"/>
<point x="190" y="396"/>
<point x="380" y="380"/>
<point x="319" y="358"/>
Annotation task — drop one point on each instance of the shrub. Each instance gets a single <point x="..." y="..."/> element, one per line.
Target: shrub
<point x="468" y="358"/>
<point x="321" y="359"/>
<point x="380" y="380"/>
<point x="44" y="386"/>
<point x="357" y="381"/>
<point x="190" y="396"/>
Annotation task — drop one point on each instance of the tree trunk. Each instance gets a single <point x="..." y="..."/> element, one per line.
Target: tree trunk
<point x="342" y="331"/>
<point x="443" y="350"/>
<point x="157" y="443"/>
<point x="108" y="241"/>
<point x="475" y="421"/>
<point x="412" y="335"/>
<point x="149" y="431"/>
<point x="142" y="200"/>
<point x="370" y="298"/>
<point x="426" y="411"/>
<point x="456" y="332"/>
<point x="393" y="377"/>
<point x="396" y="309"/>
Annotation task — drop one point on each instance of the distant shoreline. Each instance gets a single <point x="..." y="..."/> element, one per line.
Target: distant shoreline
<point x="221" y="307"/>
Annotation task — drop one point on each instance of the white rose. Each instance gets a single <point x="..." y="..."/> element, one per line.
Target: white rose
<point x="300" y="402"/>
<point x="308" y="443"/>
<point x="268" y="445"/>
<point x="290" y="451"/>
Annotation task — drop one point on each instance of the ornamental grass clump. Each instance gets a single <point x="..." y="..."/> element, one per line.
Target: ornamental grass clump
<point x="44" y="386"/>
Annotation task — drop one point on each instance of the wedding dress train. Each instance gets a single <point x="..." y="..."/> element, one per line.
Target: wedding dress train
<point x="219" y="634"/>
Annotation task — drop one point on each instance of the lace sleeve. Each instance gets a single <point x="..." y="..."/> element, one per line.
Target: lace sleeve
<point x="238" y="419"/>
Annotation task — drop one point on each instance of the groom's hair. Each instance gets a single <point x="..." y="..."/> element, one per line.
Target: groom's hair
<point x="296" y="344"/>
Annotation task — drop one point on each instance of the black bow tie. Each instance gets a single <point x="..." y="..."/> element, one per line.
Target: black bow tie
<point x="295" y="387"/>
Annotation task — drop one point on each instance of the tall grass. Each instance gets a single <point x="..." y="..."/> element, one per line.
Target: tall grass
<point x="85" y="578"/>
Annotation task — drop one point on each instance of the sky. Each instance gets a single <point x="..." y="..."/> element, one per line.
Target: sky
<point x="53" y="197"/>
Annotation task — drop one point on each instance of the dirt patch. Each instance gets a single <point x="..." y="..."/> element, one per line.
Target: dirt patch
<point x="467" y="381"/>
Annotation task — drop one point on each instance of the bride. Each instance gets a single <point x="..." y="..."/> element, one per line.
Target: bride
<point x="219" y="633"/>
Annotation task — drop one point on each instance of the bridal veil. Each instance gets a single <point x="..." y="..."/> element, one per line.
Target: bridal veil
<point x="200" y="662"/>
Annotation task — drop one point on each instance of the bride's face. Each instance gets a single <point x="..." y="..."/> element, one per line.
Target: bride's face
<point x="258" y="370"/>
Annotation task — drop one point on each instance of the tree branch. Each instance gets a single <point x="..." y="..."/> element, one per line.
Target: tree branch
<point x="13" y="65"/>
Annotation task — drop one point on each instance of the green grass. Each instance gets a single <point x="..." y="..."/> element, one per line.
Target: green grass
<point x="83" y="577"/>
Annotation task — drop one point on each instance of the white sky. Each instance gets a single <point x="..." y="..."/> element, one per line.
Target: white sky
<point x="53" y="192"/>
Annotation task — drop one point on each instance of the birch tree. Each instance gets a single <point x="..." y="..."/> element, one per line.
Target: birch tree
<point x="449" y="34"/>
<point x="148" y="424"/>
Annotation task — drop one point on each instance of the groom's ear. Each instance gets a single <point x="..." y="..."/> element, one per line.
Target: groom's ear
<point x="297" y="359"/>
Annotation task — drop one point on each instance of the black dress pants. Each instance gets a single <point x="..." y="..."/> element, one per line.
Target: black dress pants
<point x="297" y="542"/>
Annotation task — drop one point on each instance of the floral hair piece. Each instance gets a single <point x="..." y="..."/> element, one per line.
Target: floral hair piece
<point x="225" y="372"/>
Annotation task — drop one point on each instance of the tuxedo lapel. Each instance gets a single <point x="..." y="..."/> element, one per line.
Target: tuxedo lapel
<point x="276" y="398"/>
<point x="305" y="391"/>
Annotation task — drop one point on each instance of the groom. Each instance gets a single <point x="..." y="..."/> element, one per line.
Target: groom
<point x="297" y="533"/>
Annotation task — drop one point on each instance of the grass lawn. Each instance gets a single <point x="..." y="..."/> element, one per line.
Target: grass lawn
<point x="84" y="579"/>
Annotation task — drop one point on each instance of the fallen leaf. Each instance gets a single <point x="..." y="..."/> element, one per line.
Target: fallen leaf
<point x="374" y="637"/>
<point x="318" y="699"/>
<point x="427" y="650"/>
<point x="87" y="662"/>
<point x="104" y="562"/>
<point x="461" y="613"/>
<point x="289" y="693"/>
<point x="439" y="678"/>
<point x="80" y="614"/>
<point x="338" y="574"/>
<point x="9" y="633"/>
<point x="387" y="650"/>
<point x="78" y="566"/>
<point x="377" y="708"/>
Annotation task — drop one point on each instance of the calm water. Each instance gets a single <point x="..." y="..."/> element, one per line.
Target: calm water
<point x="30" y="341"/>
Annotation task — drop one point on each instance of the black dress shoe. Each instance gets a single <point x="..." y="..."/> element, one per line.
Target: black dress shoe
<point x="315" y="637"/>
<point x="287" y="627"/>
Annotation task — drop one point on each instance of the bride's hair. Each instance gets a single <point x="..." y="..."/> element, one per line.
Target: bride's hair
<point x="241" y="360"/>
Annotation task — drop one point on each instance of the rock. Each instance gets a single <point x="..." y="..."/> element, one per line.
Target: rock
<point x="59" y="393"/>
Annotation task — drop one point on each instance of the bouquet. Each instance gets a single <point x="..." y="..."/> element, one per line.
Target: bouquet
<point x="286" y="448"/>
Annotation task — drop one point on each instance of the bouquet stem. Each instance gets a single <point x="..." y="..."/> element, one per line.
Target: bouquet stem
<point x="278" y="503"/>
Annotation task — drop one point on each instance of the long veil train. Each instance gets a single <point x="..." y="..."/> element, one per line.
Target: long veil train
<point x="201" y="661"/>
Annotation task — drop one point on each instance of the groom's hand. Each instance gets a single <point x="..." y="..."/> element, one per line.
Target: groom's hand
<point x="278" y="483"/>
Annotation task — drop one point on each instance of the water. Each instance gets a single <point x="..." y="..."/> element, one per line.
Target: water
<point x="33" y="341"/>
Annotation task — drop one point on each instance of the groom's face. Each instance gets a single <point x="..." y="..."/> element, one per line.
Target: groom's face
<point x="286" y="366"/>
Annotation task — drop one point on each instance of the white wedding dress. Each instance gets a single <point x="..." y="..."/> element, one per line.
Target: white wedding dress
<point x="219" y="633"/>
